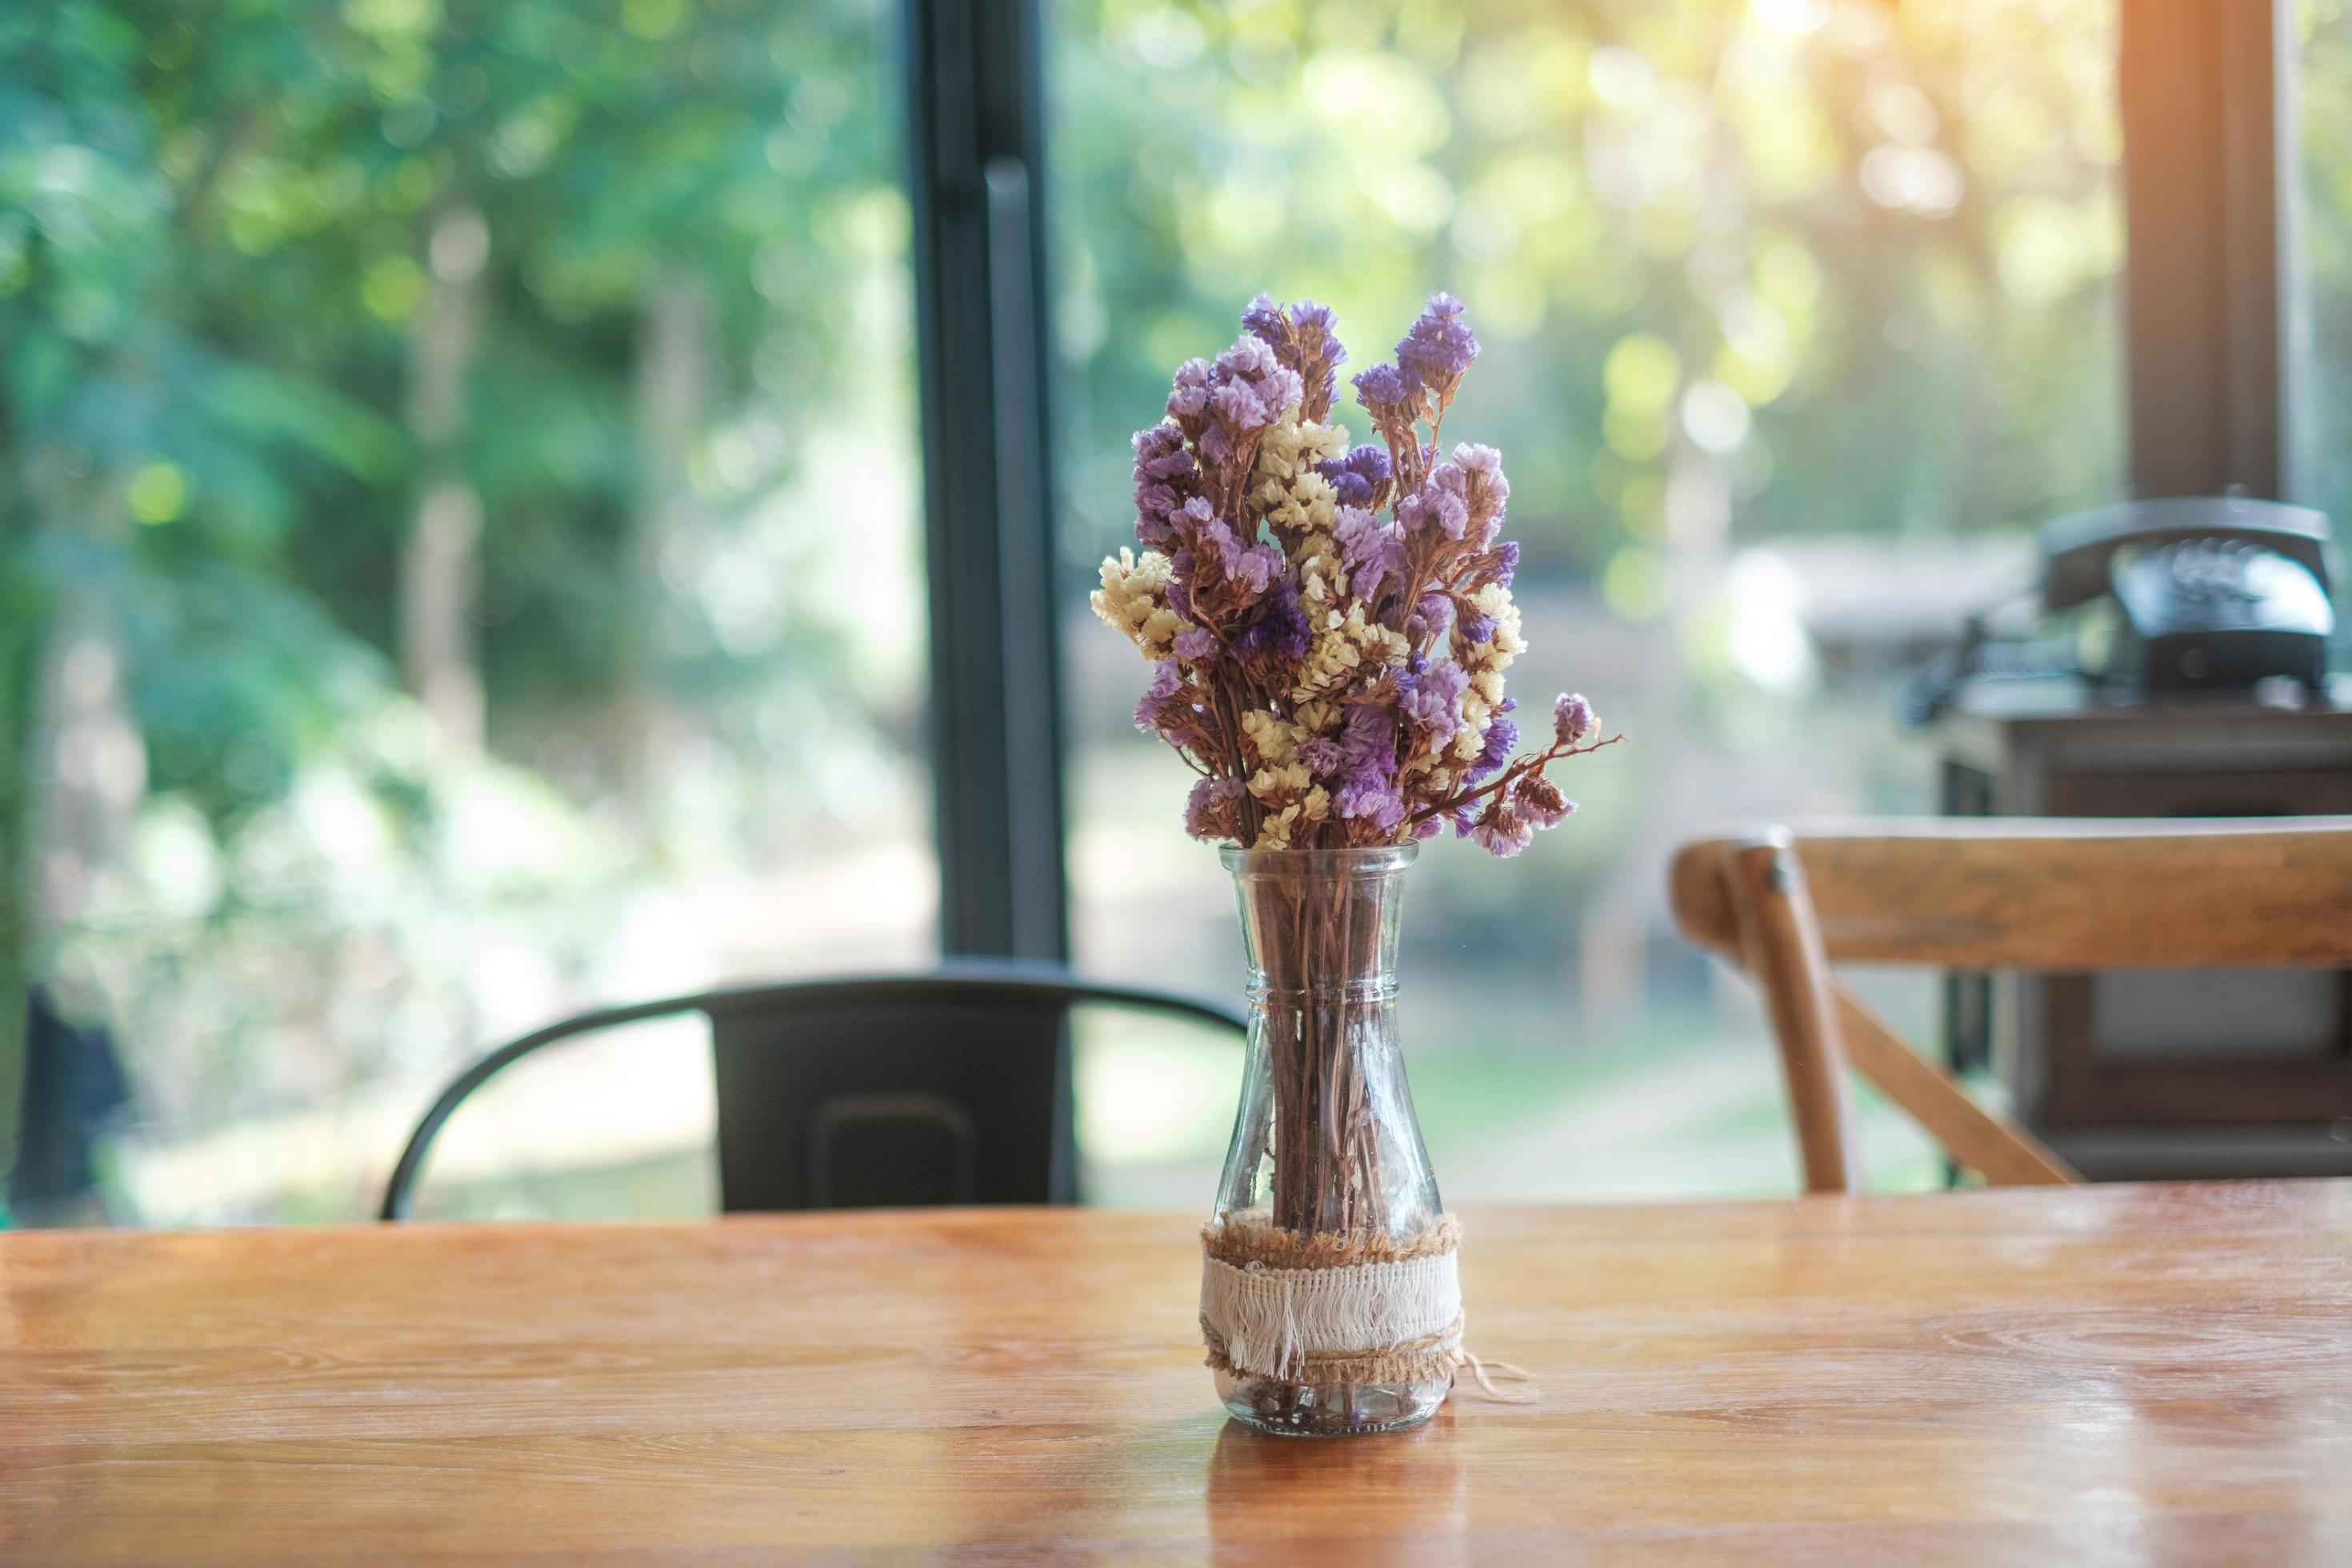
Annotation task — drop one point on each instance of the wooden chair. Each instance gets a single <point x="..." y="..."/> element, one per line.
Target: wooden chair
<point x="2039" y="896"/>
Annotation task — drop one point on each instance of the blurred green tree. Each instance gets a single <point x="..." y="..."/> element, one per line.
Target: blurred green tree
<point x="386" y="345"/>
<point x="1864" y="251"/>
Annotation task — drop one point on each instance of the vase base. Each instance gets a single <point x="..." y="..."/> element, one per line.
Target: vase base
<point x="1330" y="1410"/>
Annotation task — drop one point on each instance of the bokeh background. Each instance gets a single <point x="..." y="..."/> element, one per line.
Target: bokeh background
<point x="467" y="450"/>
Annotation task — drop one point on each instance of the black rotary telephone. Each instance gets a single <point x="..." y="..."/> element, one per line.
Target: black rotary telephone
<point x="2215" y="594"/>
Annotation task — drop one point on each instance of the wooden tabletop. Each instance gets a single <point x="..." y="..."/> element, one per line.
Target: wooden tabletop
<point x="2029" y="1376"/>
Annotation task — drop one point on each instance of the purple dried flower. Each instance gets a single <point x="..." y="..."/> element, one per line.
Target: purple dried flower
<point x="1246" y="358"/>
<point x="1369" y="548"/>
<point x="1431" y="699"/>
<point x="1429" y="619"/>
<point x="1221" y="406"/>
<point x="1322" y="754"/>
<point x="1367" y="742"/>
<point x="1251" y="387"/>
<point x="1190" y="396"/>
<point x="1484" y="489"/>
<point x="1377" y="800"/>
<point x="1262" y="319"/>
<point x="1196" y="645"/>
<point x="1437" y="348"/>
<point x="1385" y="395"/>
<point x="1211" y="811"/>
<point x="1362" y="478"/>
<point x="1315" y="330"/>
<point x="1181" y="564"/>
<point x="1438" y="506"/>
<point x="1216" y="446"/>
<point x="1313" y="324"/>
<point x="1166" y="708"/>
<point x="1347" y="486"/>
<point x="1453" y="515"/>
<point x="1159" y="455"/>
<point x="1501" y="831"/>
<point x="1215" y="573"/>
<point x="1502" y="734"/>
<point x="1165" y="474"/>
<point x="1256" y="568"/>
<point x="1241" y="407"/>
<point x="1572" y="719"/>
<point x="1304" y="341"/>
<point x="1538" y="800"/>
<point x="1152" y="505"/>
<point x="1194" y="515"/>
<point x="1502" y="561"/>
<point x="1278" y="636"/>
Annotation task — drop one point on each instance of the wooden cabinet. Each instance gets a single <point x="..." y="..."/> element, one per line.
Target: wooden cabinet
<point x="2174" y="1074"/>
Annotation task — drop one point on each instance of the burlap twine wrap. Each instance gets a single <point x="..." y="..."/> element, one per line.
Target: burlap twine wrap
<point x="1321" y="1308"/>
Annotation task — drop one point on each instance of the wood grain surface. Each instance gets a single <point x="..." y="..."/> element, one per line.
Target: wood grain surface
<point x="2057" y="895"/>
<point x="2027" y="1375"/>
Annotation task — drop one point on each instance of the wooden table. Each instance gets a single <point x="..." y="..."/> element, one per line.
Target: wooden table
<point x="2029" y="1376"/>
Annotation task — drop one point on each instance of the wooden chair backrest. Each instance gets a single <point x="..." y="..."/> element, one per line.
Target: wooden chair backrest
<point x="2008" y="894"/>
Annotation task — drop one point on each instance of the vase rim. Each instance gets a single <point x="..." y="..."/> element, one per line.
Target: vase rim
<point x="1357" y="861"/>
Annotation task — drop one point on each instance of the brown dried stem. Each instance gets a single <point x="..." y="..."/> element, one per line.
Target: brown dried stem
<point x="1320" y="950"/>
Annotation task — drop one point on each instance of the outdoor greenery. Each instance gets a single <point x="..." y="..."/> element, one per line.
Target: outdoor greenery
<point x="1863" y="253"/>
<point x="402" y="398"/>
<point x="461" y="452"/>
<point x="2321" y="469"/>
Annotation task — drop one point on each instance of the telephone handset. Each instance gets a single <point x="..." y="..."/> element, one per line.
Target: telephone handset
<point x="2216" y="591"/>
<point x="2077" y="551"/>
<point x="2214" y="594"/>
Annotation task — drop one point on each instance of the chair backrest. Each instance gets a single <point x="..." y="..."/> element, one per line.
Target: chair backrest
<point x="952" y="1086"/>
<point x="2041" y="895"/>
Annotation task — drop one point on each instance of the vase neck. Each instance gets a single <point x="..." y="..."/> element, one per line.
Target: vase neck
<point x="1325" y="1143"/>
<point x="1315" y="928"/>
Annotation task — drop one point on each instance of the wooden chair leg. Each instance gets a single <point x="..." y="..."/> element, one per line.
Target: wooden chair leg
<point x="1781" y="942"/>
<point x="2004" y="1154"/>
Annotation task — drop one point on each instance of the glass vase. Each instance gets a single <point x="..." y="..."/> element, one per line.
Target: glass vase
<point x="1327" y="1155"/>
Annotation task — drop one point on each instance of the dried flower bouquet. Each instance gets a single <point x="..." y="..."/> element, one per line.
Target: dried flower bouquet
<point x="1328" y="627"/>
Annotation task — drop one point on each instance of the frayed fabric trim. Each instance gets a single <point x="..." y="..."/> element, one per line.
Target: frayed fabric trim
<point x="1361" y="1322"/>
<point x="1323" y="1309"/>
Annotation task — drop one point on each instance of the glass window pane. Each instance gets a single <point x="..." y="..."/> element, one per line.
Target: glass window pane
<point x="2319" y="344"/>
<point x="467" y="454"/>
<point x="1798" y="316"/>
<point x="619" y="1122"/>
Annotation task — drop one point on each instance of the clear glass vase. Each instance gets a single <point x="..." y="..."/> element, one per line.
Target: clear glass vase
<point x="1325" y="1142"/>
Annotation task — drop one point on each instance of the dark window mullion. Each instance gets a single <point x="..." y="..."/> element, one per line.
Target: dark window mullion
<point x="975" y="97"/>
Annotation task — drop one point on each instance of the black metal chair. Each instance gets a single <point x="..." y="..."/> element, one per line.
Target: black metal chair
<point x="951" y="1087"/>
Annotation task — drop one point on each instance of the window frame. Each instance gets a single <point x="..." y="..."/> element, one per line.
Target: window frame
<point x="2207" y="91"/>
<point x="976" y="148"/>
